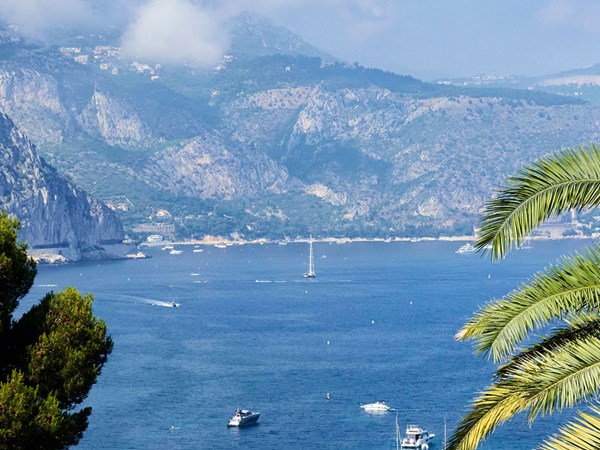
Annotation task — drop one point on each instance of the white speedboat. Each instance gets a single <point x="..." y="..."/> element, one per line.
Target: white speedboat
<point x="467" y="248"/>
<point x="175" y="252"/>
<point x="416" y="437"/>
<point x="378" y="406"/>
<point x="243" y="418"/>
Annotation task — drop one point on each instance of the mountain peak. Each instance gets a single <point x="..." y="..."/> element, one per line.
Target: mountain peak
<point x="252" y="35"/>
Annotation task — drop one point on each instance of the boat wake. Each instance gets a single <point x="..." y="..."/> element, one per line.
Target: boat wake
<point x="263" y="281"/>
<point x="164" y="304"/>
<point x="46" y="285"/>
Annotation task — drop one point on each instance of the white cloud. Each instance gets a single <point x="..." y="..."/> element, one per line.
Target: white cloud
<point x="191" y="31"/>
<point x="176" y="31"/>
<point x="37" y="16"/>
<point x="581" y="14"/>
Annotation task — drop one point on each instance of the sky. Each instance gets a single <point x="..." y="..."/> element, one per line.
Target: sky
<point x="426" y="38"/>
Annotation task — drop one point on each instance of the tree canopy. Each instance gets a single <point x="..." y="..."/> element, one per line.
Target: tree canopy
<point x="49" y="358"/>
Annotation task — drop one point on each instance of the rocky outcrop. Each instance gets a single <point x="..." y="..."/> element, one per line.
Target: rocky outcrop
<point x="115" y="122"/>
<point x="32" y="99"/>
<point x="55" y="215"/>
<point x="209" y="167"/>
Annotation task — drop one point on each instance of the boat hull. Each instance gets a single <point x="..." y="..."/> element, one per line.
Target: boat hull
<point x="244" y="421"/>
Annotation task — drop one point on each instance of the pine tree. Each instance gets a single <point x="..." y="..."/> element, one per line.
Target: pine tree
<point x="49" y="358"/>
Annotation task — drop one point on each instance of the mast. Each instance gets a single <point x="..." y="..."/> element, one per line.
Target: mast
<point x="397" y="433"/>
<point x="445" y="442"/>
<point x="311" y="261"/>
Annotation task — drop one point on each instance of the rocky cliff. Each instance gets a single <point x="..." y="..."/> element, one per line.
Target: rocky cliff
<point x="55" y="215"/>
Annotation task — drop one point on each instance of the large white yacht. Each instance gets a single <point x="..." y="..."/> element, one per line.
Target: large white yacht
<point x="416" y="437"/>
<point x="467" y="248"/>
<point x="243" y="418"/>
<point x="378" y="406"/>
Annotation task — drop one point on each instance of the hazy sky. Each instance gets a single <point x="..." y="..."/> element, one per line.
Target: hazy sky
<point x="426" y="38"/>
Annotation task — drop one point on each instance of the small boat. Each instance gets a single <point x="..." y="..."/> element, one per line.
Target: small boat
<point x="138" y="255"/>
<point x="167" y="247"/>
<point x="467" y="248"/>
<point x="243" y="418"/>
<point x="378" y="406"/>
<point x="175" y="252"/>
<point x="416" y="437"/>
<point x="197" y="250"/>
<point x="311" y="262"/>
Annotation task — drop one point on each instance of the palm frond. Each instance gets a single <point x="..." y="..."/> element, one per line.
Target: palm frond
<point x="570" y="287"/>
<point x="583" y="326"/>
<point x="582" y="434"/>
<point x="553" y="380"/>
<point x="557" y="183"/>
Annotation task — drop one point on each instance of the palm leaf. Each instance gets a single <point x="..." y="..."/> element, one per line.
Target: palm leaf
<point x="557" y="379"/>
<point x="557" y="183"/>
<point x="580" y="327"/>
<point x="572" y="286"/>
<point x="583" y="434"/>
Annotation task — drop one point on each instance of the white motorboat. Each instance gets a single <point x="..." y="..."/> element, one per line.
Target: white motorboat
<point x="378" y="406"/>
<point x="311" y="262"/>
<point x="243" y="418"/>
<point x="175" y="252"/>
<point x="467" y="248"/>
<point x="416" y="437"/>
<point x="138" y="255"/>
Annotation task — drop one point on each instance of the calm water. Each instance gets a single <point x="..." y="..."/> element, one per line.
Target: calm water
<point x="377" y="323"/>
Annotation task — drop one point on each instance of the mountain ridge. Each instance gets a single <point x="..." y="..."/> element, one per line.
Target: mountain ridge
<point x="271" y="145"/>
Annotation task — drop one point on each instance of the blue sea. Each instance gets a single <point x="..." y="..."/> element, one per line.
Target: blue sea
<point x="378" y="322"/>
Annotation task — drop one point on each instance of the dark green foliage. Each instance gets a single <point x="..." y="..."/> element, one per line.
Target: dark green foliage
<point x="17" y="271"/>
<point x="31" y="421"/>
<point x="49" y="358"/>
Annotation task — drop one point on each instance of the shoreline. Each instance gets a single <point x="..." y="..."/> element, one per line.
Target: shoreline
<point x="220" y="240"/>
<point x="46" y="257"/>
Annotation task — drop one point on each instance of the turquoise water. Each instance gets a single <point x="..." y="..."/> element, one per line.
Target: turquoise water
<point x="377" y="323"/>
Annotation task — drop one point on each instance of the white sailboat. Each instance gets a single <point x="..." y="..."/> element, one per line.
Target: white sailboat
<point x="311" y="262"/>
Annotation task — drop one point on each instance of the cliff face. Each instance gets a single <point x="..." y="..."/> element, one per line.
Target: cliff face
<point x="207" y="167"/>
<point x="54" y="214"/>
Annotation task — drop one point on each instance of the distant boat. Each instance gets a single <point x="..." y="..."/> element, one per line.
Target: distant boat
<point x="378" y="406"/>
<point x="525" y="245"/>
<point x="138" y="255"/>
<point x="197" y="250"/>
<point x="167" y="247"/>
<point x="416" y="437"/>
<point x="220" y="246"/>
<point x="243" y="418"/>
<point x="311" y="262"/>
<point x="467" y="248"/>
<point x="175" y="252"/>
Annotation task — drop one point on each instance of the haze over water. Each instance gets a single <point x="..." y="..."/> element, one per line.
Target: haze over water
<point x="377" y="323"/>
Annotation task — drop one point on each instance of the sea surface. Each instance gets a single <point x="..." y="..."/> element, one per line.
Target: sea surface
<point x="378" y="322"/>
